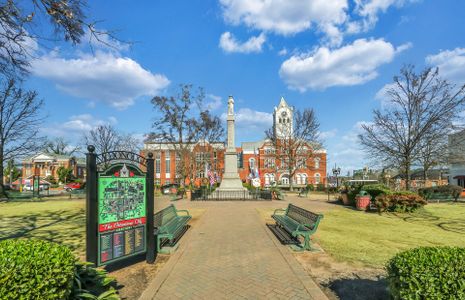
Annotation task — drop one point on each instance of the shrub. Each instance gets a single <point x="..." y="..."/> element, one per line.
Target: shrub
<point x="450" y="190"/>
<point x="427" y="273"/>
<point x="320" y="187"/>
<point x="310" y="187"/>
<point x="376" y="189"/>
<point x="33" y="269"/>
<point x="51" y="179"/>
<point x="399" y="202"/>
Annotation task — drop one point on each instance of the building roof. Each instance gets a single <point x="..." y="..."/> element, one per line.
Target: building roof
<point x="251" y="146"/>
<point x="45" y="156"/>
<point x="170" y="146"/>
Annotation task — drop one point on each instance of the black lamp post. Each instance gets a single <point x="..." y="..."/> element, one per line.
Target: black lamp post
<point x="336" y="172"/>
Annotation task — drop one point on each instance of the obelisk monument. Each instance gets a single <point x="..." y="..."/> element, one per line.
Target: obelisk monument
<point x="231" y="180"/>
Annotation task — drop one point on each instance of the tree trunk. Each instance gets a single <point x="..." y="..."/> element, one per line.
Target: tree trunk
<point x="2" y="187"/>
<point x="407" y="176"/>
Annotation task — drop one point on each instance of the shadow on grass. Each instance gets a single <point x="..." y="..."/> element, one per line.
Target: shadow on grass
<point x="427" y="218"/>
<point x="360" y="288"/>
<point x="63" y="226"/>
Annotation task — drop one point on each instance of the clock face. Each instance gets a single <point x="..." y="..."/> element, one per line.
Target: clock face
<point x="283" y="114"/>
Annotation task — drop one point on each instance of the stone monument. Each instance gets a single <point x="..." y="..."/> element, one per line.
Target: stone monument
<point x="231" y="180"/>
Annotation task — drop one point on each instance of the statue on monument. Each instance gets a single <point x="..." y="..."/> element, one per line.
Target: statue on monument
<point x="230" y="106"/>
<point x="231" y="180"/>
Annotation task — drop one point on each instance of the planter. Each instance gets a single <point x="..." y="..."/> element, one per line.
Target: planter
<point x="189" y="195"/>
<point x="362" y="202"/>
<point x="345" y="198"/>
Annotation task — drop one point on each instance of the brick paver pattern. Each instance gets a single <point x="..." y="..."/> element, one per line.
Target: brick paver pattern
<point x="231" y="256"/>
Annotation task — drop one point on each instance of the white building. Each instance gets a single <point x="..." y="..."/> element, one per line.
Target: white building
<point x="457" y="158"/>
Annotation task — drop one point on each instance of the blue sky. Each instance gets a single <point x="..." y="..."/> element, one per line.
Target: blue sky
<point x="333" y="56"/>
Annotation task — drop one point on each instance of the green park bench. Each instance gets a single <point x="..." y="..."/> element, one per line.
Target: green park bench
<point x="77" y="193"/>
<point x="298" y="222"/>
<point x="440" y="197"/>
<point x="169" y="224"/>
<point x="304" y="192"/>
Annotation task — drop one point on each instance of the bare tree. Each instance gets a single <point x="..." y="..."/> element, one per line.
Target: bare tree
<point x="295" y="145"/>
<point x="19" y="23"/>
<point x="433" y="150"/>
<point x="105" y="138"/>
<point x="61" y="146"/>
<point x="128" y="142"/>
<point x="19" y="123"/>
<point x="182" y="123"/>
<point x="421" y="106"/>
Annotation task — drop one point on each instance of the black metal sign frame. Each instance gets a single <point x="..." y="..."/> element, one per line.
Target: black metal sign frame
<point x="116" y="241"/>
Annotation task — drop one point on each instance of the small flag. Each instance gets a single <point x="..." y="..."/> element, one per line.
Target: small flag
<point x="211" y="176"/>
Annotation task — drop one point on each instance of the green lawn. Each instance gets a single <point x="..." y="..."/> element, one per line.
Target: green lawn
<point x="371" y="239"/>
<point x="57" y="220"/>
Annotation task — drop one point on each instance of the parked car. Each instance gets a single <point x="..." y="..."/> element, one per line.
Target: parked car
<point x="42" y="187"/>
<point x="73" y="186"/>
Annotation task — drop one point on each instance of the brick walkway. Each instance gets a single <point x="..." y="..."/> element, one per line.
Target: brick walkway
<point x="230" y="255"/>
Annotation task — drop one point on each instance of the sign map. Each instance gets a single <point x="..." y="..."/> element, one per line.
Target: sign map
<point x="121" y="216"/>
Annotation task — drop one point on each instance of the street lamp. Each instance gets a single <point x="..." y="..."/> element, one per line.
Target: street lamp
<point x="336" y="172"/>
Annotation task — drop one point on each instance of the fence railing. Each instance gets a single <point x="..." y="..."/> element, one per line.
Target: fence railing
<point x="218" y="195"/>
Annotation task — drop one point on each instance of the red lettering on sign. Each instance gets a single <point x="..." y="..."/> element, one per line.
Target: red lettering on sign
<point x="121" y="224"/>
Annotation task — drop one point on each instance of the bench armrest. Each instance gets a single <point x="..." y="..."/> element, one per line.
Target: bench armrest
<point x="183" y="210"/>
<point x="303" y="225"/>
<point x="279" y="209"/>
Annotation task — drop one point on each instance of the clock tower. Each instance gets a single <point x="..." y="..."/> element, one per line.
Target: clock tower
<point x="283" y="120"/>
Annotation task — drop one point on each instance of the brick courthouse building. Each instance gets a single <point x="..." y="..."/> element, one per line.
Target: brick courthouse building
<point x="254" y="159"/>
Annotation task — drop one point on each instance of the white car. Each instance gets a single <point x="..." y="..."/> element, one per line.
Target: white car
<point x="42" y="187"/>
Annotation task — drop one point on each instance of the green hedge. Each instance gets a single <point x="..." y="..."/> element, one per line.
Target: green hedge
<point x="427" y="273"/>
<point x="404" y="201"/>
<point x="34" y="269"/>
<point x="453" y="191"/>
<point x="376" y="189"/>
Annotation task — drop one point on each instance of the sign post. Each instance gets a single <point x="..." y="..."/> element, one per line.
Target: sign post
<point x="35" y="186"/>
<point x="119" y="207"/>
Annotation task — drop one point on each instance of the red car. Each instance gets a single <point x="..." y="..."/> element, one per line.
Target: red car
<point x="72" y="186"/>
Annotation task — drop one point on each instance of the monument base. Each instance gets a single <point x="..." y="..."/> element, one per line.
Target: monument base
<point x="231" y="180"/>
<point x="231" y="183"/>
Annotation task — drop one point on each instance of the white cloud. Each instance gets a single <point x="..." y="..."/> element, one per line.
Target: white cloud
<point x="76" y="126"/>
<point x="349" y="65"/>
<point x="328" y="134"/>
<point x="286" y="17"/>
<point x="249" y="118"/>
<point x="107" y="77"/>
<point x="333" y="18"/>
<point x="253" y="45"/>
<point x="382" y="95"/>
<point x="345" y="150"/>
<point x="215" y="102"/>
<point x="282" y="52"/>
<point x="370" y="9"/>
<point x="451" y="64"/>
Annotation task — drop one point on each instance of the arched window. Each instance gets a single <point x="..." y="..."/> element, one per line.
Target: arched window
<point x="317" y="178"/>
<point x="284" y="179"/>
